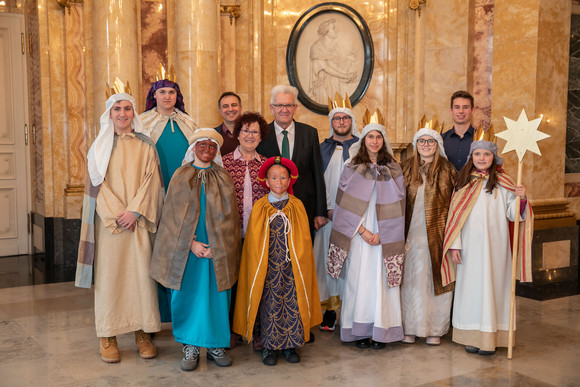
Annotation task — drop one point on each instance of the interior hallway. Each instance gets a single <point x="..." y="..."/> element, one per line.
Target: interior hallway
<point x="47" y="337"/>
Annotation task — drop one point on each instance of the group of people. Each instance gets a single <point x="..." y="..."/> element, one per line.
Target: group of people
<point x="254" y="230"/>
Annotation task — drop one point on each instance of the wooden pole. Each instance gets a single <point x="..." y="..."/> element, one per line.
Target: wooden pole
<point x="514" y="267"/>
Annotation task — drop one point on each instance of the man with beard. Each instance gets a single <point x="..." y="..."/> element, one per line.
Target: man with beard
<point x="230" y="106"/>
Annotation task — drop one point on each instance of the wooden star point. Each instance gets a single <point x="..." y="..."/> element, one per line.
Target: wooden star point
<point x="522" y="135"/>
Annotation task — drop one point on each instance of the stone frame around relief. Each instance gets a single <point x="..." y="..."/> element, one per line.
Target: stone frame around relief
<point x="330" y="50"/>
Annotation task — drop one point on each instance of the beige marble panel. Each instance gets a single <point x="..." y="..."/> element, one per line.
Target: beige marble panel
<point x="153" y="42"/>
<point x="447" y="52"/>
<point x="555" y="255"/>
<point x="533" y="77"/>
<point x="227" y="54"/>
<point x="482" y="62"/>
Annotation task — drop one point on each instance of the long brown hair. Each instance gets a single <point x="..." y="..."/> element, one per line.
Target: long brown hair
<point x="465" y="175"/>
<point x="362" y="157"/>
<point x="432" y="168"/>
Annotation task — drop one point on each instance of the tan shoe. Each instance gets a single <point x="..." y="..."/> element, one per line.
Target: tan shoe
<point x="146" y="348"/>
<point x="109" y="350"/>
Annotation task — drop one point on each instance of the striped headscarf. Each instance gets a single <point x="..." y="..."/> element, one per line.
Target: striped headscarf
<point x="152" y="102"/>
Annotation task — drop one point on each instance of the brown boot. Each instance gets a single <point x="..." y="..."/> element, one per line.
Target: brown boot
<point x="146" y="348"/>
<point x="109" y="350"/>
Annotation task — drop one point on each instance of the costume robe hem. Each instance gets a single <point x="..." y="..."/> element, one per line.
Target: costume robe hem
<point x="110" y="332"/>
<point x="361" y="331"/>
<point x="485" y="341"/>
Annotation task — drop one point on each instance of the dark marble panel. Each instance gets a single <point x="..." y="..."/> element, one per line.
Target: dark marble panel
<point x="573" y="118"/>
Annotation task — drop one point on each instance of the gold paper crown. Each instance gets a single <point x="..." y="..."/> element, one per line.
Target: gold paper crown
<point x="485" y="135"/>
<point x="162" y="74"/>
<point x="339" y="102"/>
<point x="375" y="118"/>
<point x="431" y="124"/>
<point x="118" y="87"/>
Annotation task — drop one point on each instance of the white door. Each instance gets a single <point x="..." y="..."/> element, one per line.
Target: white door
<point x="14" y="197"/>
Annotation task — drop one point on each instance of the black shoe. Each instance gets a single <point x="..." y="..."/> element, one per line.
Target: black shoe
<point x="328" y="321"/>
<point x="291" y="355"/>
<point x="377" y="345"/>
<point x="485" y="353"/>
<point x="269" y="357"/>
<point x="364" y="343"/>
<point x="312" y="338"/>
<point x="471" y="349"/>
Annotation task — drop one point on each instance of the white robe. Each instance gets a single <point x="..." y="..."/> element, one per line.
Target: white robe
<point x="329" y="288"/>
<point x="482" y="287"/>
<point x="369" y="307"/>
<point x="424" y="313"/>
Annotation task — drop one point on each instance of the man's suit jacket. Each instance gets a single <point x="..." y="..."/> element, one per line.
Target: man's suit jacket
<point x="309" y="187"/>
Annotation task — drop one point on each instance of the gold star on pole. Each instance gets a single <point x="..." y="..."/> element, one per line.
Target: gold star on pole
<point x="522" y="135"/>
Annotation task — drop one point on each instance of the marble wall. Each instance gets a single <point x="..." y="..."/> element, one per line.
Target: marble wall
<point x="482" y="62"/>
<point x="153" y="42"/>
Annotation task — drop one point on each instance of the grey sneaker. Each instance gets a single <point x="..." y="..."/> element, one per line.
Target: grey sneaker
<point x="220" y="356"/>
<point x="190" y="357"/>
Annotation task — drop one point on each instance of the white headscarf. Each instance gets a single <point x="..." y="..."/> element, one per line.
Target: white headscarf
<point x="200" y="135"/>
<point x="379" y="128"/>
<point x="347" y="111"/>
<point x="100" y="152"/>
<point x="431" y="133"/>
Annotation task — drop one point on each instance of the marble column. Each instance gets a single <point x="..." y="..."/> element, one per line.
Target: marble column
<point x="196" y="67"/>
<point x="419" y="83"/>
<point x="535" y="77"/>
<point x="227" y="56"/>
<point x="115" y="49"/>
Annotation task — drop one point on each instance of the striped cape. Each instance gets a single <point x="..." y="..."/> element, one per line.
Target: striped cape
<point x="462" y="203"/>
<point x="355" y="189"/>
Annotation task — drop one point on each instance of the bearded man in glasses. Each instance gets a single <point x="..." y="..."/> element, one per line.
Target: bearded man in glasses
<point x="334" y="151"/>
<point x="298" y="142"/>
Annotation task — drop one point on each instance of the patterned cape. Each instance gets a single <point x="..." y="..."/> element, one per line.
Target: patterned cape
<point x="437" y="199"/>
<point x="355" y="188"/>
<point x="461" y="204"/>
<point x="254" y="266"/>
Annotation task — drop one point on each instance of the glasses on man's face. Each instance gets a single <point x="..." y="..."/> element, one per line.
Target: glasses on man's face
<point x="280" y="106"/>
<point x="204" y="145"/>
<point x="338" y="119"/>
<point x="428" y="142"/>
<point x="250" y="132"/>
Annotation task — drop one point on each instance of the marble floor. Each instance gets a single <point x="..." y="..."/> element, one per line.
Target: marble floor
<point x="47" y="338"/>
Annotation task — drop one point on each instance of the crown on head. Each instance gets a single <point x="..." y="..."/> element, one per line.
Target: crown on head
<point x="162" y="74"/>
<point x="118" y="87"/>
<point x="431" y="124"/>
<point x="485" y="135"/>
<point x="375" y="118"/>
<point x="339" y="102"/>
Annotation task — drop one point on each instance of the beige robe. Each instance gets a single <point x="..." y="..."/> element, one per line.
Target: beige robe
<point x="125" y="295"/>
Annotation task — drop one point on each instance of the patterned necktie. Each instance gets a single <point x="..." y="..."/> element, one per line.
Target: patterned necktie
<point x="285" y="145"/>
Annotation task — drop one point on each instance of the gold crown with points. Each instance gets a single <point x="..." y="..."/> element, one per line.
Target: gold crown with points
<point x="485" y="135"/>
<point x="431" y="124"/>
<point x="339" y="102"/>
<point x="118" y="87"/>
<point x="162" y="74"/>
<point x="375" y="118"/>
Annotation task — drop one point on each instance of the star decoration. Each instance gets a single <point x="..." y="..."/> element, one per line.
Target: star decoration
<point x="522" y="135"/>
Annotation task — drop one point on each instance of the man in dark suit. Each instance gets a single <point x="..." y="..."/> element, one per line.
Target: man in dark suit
<point x="298" y="142"/>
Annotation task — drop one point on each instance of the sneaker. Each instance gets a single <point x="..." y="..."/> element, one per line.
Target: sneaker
<point x="146" y="348"/>
<point x="220" y="356"/>
<point x="433" y="340"/>
<point x="409" y="339"/>
<point x="291" y="355"/>
<point x="471" y="349"/>
<point x="190" y="357"/>
<point x="328" y="321"/>
<point x="363" y="343"/>
<point x="109" y="350"/>
<point x="269" y="357"/>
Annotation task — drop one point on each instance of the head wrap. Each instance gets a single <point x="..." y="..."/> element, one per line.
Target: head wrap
<point x="152" y="102"/>
<point x="372" y="126"/>
<point x="200" y="135"/>
<point x="263" y="172"/>
<point x="100" y="152"/>
<point x="347" y="111"/>
<point x="431" y="133"/>
<point x="487" y="145"/>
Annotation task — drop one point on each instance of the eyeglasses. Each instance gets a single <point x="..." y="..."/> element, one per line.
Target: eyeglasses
<point x="204" y="145"/>
<point x="284" y="106"/>
<point x="338" y="119"/>
<point x="428" y="142"/>
<point x="250" y="132"/>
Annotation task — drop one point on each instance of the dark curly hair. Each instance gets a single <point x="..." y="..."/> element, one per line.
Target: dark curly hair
<point x="247" y="118"/>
